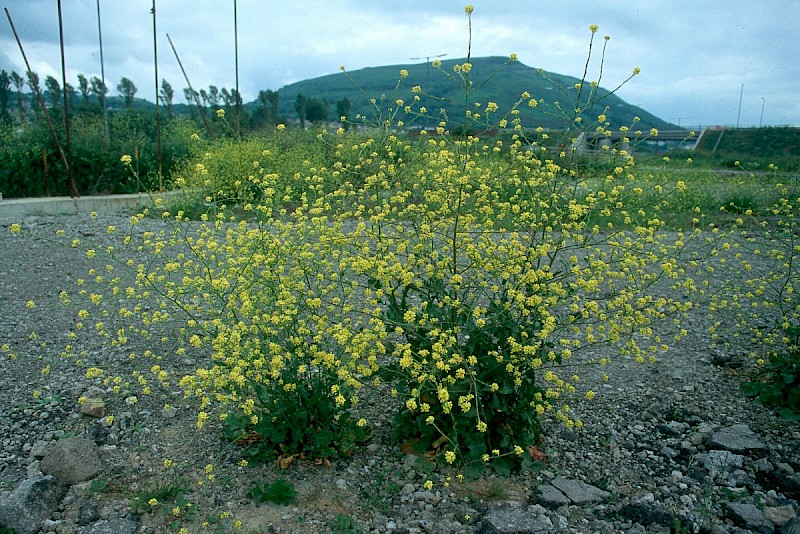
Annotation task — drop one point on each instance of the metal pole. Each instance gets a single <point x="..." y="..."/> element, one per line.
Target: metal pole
<point x="194" y="93"/>
<point x="70" y="177"/>
<point x="158" y="115"/>
<point x="739" y="114"/>
<point x="73" y="192"/>
<point x="106" y="130"/>
<point x="236" y="62"/>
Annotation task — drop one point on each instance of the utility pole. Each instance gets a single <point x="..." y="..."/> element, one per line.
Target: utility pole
<point x="427" y="72"/>
<point x="102" y="96"/>
<point x="158" y="117"/>
<point x="73" y="188"/>
<point x="739" y="114"/>
<point x="236" y="62"/>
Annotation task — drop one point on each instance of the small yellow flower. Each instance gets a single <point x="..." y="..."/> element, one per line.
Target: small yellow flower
<point x="15" y="228"/>
<point x="403" y="73"/>
<point x="450" y="457"/>
<point x="221" y="113"/>
<point x="30" y="305"/>
<point x="126" y="159"/>
<point x="513" y="57"/>
<point x="281" y="127"/>
<point x="153" y="502"/>
<point x="636" y="70"/>
<point x="468" y="9"/>
<point x="593" y="28"/>
<point x="428" y="484"/>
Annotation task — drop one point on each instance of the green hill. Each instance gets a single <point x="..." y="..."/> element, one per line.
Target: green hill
<point x="494" y="79"/>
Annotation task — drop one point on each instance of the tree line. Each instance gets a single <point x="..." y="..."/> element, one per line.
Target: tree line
<point x="18" y="106"/>
<point x="103" y="127"/>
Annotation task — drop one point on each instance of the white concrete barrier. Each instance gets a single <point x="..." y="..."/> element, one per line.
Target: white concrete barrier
<point x="13" y="210"/>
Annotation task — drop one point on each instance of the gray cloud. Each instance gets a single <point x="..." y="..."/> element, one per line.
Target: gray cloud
<point x="694" y="56"/>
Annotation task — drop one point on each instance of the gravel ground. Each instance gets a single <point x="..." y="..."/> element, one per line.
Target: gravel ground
<point x="648" y="441"/>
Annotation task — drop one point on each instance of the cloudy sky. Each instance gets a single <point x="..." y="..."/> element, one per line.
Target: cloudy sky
<point x="696" y="56"/>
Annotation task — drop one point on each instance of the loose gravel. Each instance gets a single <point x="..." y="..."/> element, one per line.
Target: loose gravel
<point x="647" y="439"/>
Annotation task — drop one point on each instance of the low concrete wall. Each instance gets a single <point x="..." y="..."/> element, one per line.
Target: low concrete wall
<point x="14" y="210"/>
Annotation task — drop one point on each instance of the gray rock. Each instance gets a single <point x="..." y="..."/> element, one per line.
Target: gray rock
<point x="762" y="464"/>
<point x="792" y="527"/>
<point x="749" y="516"/>
<point x="548" y="495"/>
<point x="40" y="448"/>
<point x="25" y="508"/>
<point x="646" y="513"/>
<point x="779" y="515"/>
<point x="720" y="460"/>
<point x="516" y="521"/>
<point x="111" y="526"/>
<point x="88" y="513"/>
<point x="72" y="460"/>
<point x="94" y="407"/>
<point x="579" y="492"/>
<point x="737" y="438"/>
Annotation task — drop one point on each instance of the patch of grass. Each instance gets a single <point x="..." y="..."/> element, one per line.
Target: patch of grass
<point x="344" y="524"/>
<point x="98" y="484"/>
<point x="162" y="490"/>
<point x="279" y="492"/>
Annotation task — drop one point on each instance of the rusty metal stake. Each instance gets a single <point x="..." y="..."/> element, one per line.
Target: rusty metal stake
<point x="194" y="94"/>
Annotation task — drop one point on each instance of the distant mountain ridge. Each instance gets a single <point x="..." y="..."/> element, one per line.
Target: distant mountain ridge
<point x="495" y="79"/>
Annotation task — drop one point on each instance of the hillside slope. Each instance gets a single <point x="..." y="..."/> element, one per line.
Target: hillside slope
<point x="494" y="79"/>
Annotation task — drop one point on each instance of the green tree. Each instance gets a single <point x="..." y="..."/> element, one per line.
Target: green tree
<point x="5" y="93"/>
<point x="72" y="94"/>
<point x="53" y="90"/>
<point x="227" y="99"/>
<point x="19" y="83"/>
<point x="316" y="110"/>
<point x="204" y="98"/>
<point x="83" y="87"/>
<point x="33" y="83"/>
<point x="300" y="107"/>
<point x="343" y="111"/>
<point x="267" y="112"/>
<point x="213" y="96"/>
<point x="190" y="95"/>
<point x="127" y="89"/>
<point x="100" y="90"/>
<point x="272" y="98"/>
<point x="166" y="94"/>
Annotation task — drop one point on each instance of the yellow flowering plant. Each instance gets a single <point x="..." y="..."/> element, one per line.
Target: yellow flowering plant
<point x="490" y="269"/>
<point x="761" y="286"/>
<point x="469" y="277"/>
